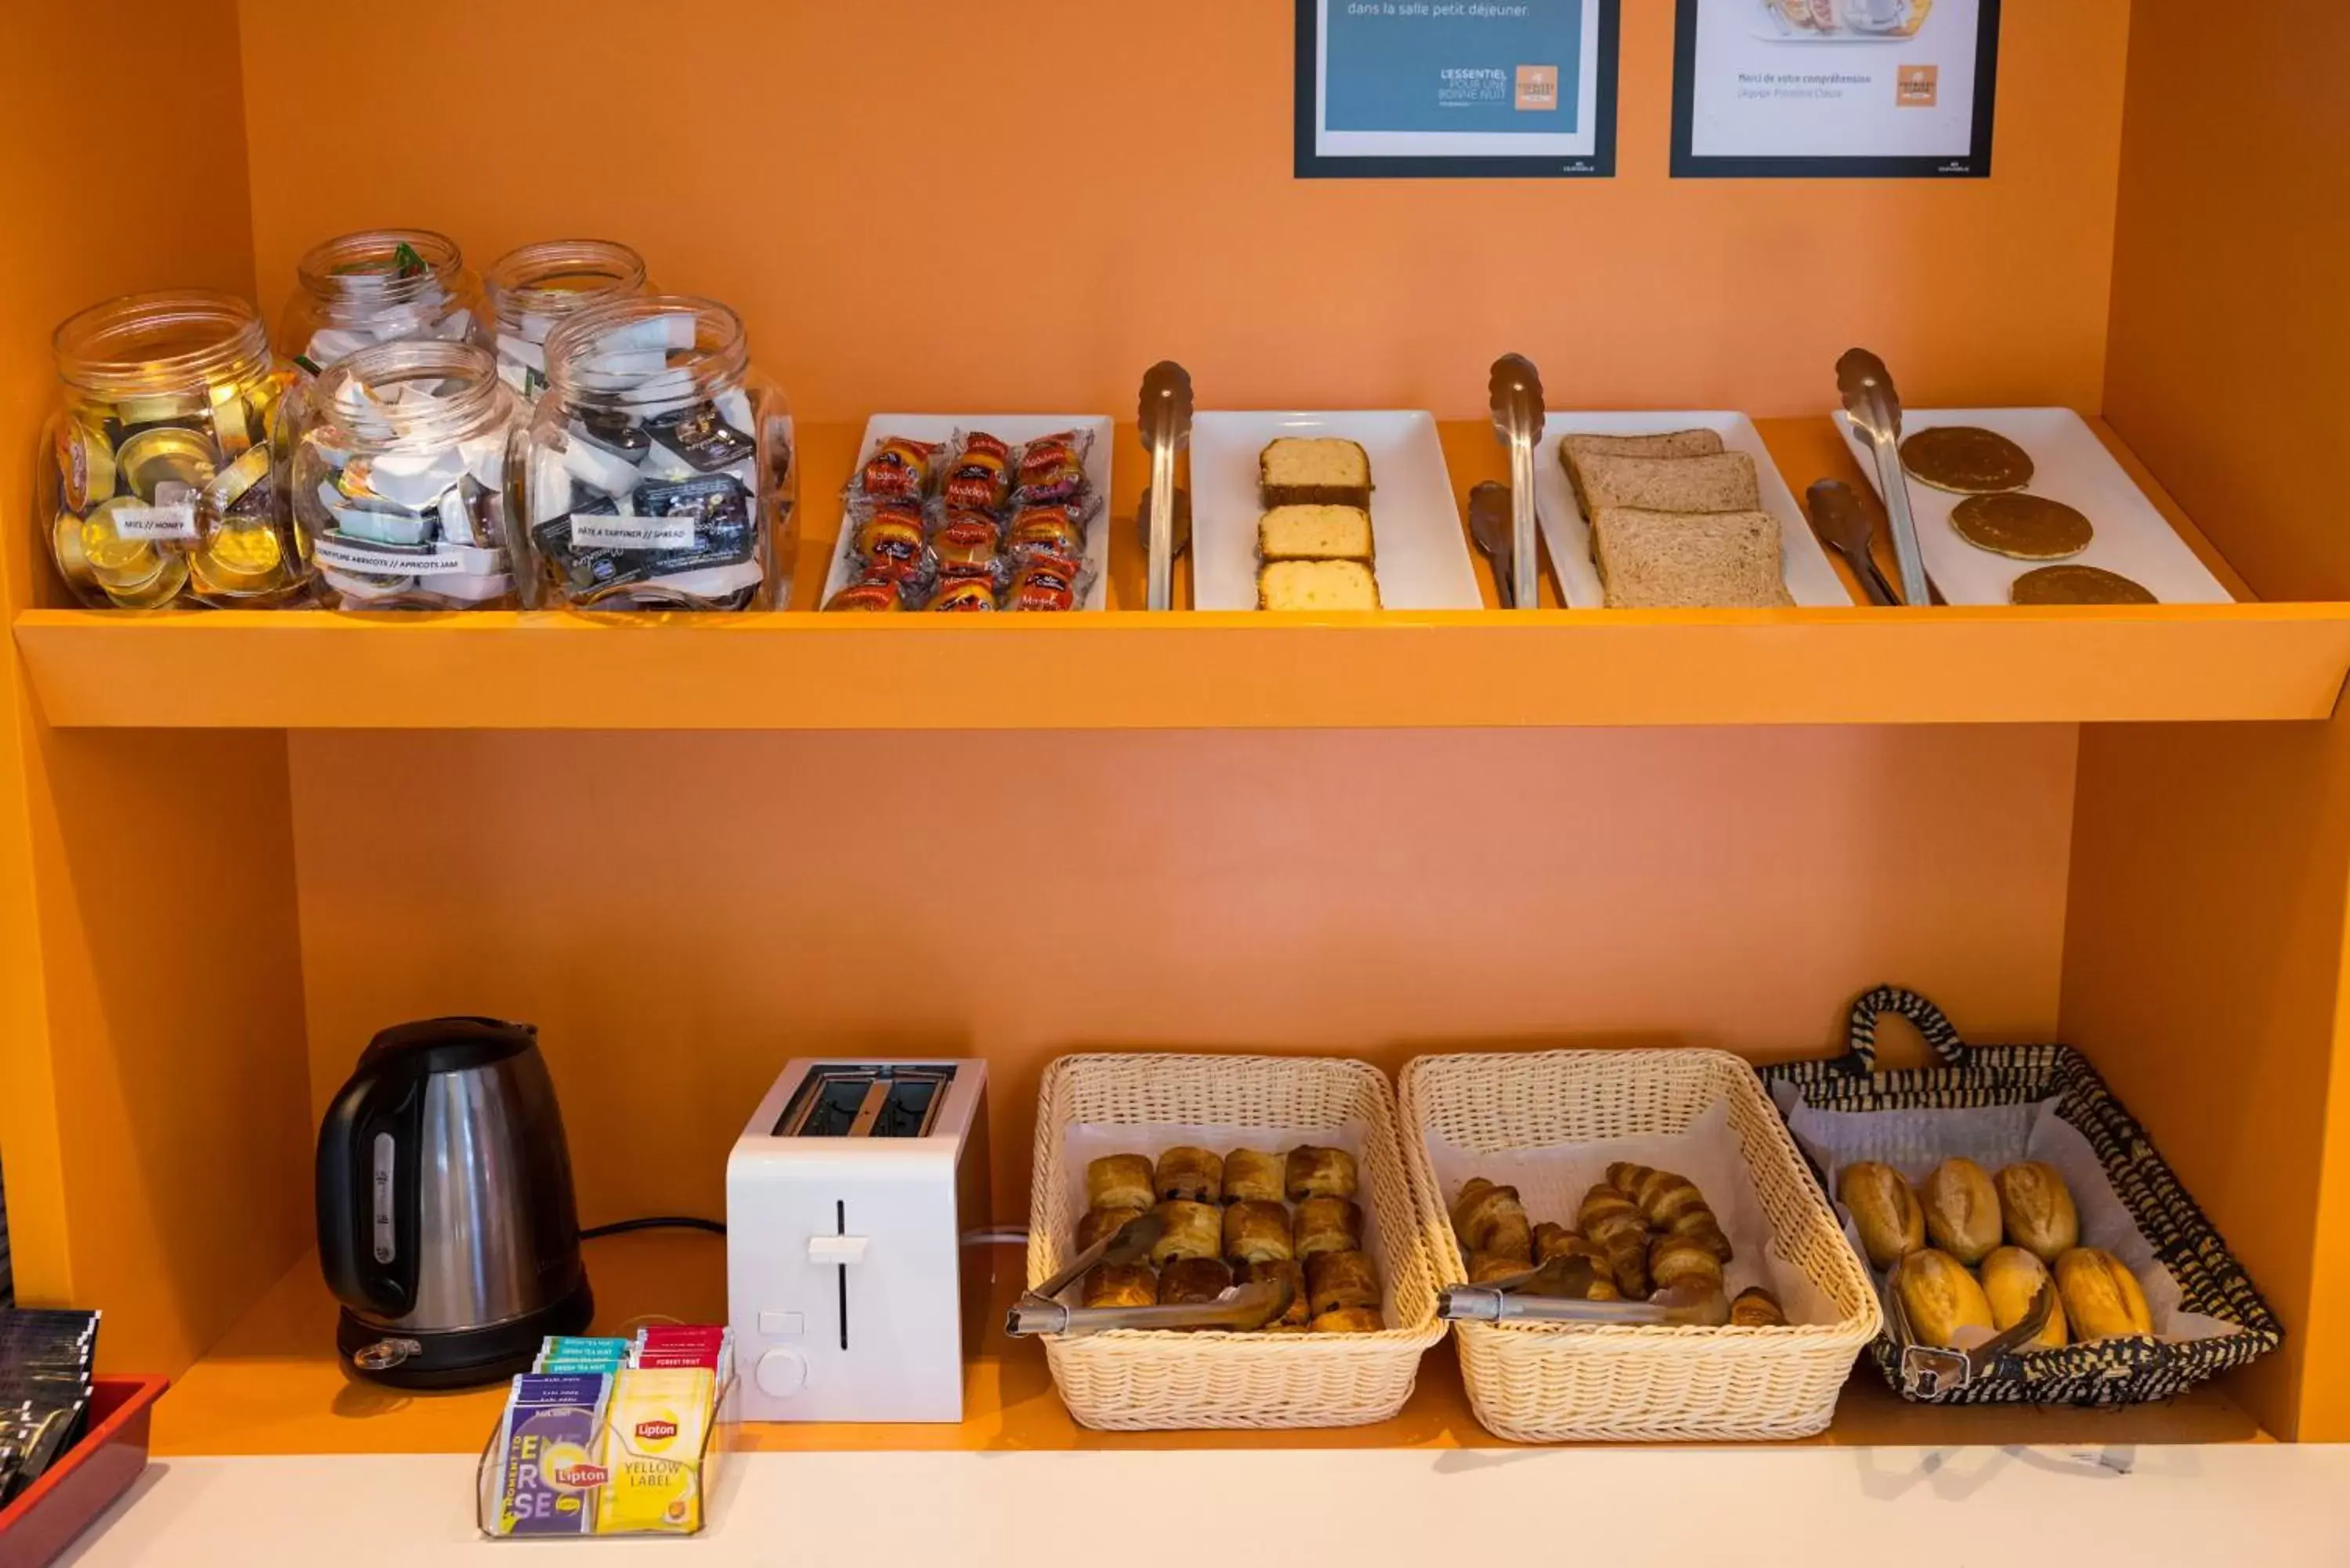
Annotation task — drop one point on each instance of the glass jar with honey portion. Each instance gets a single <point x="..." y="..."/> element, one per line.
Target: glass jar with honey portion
<point x="162" y="479"/>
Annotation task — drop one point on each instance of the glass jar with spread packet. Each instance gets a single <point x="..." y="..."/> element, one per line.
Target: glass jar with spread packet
<point x="161" y="482"/>
<point x="378" y="287"/>
<point x="398" y="480"/>
<point x="657" y="473"/>
<point x="532" y="288"/>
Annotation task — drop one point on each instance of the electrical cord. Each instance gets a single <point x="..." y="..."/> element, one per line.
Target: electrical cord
<point x="654" y="1222"/>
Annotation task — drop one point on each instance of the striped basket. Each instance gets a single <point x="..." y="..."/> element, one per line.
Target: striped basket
<point x="1143" y="1379"/>
<point x="2106" y="1372"/>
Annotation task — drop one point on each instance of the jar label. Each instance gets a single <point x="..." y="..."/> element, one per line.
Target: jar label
<point x="165" y="520"/>
<point x="345" y="555"/>
<point x="593" y="531"/>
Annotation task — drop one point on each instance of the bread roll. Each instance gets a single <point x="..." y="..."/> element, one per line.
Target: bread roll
<point x="1940" y="1298"/>
<point x="2036" y="1209"/>
<point x="1193" y="1175"/>
<point x="1489" y="1219"/>
<point x="1335" y="1280"/>
<point x="1961" y="1210"/>
<point x="1120" y="1181"/>
<point x="1252" y="1176"/>
<point x="1319" y="1173"/>
<point x="1611" y="1222"/>
<point x="1891" y="1222"/>
<point x="1326" y="1225"/>
<point x="1300" y="1313"/>
<point x="1350" y="1320"/>
<point x="1191" y="1282"/>
<point x="2102" y="1297"/>
<point x="1102" y="1223"/>
<point x="2011" y="1277"/>
<point x="1257" y="1232"/>
<point x="1683" y="1261"/>
<point x="1757" y="1308"/>
<point x="1194" y="1231"/>
<point x="1120" y="1286"/>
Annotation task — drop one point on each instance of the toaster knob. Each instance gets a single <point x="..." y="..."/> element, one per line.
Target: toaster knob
<point x="781" y="1373"/>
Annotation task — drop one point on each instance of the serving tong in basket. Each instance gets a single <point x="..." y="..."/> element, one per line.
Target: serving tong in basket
<point x="1241" y="1308"/>
<point x="1516" y="393"/>
<point x="1875" y="409"/>
<point x="1556" y="1292"/>
<point x="1165" y="417"/>
<point x="1929" y="1371"/>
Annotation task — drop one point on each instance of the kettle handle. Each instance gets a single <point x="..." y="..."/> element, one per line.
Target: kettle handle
<point x="368" y="1141"/>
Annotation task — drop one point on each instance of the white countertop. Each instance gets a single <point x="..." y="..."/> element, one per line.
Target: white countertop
<point x="2278" y="1505"/>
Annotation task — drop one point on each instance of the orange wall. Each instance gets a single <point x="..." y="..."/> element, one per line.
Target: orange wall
<point x="1018" y="896"/>
<point x="152" y="1112"/>
<point x="2230" y="329"/>
<point x="802" y="161"/>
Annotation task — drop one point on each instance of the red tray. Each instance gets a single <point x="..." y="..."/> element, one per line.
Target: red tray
<point x="39" y="1525"/>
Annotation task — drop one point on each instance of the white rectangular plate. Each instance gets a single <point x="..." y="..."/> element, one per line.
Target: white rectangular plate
<point x="1422" y="555"/>
<point x="2069" y="464"/>
<point x="1810" y="578"/>
<point x="1015" y="429"/>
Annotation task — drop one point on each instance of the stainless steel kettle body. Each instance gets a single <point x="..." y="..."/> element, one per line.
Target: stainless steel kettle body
<point x="447" y="1226"/>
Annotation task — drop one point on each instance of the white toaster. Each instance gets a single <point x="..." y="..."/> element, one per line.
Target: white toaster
<point x="852" y="1295"/>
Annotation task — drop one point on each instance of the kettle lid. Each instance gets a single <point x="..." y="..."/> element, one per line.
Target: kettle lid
<point x="454" y="1045"/>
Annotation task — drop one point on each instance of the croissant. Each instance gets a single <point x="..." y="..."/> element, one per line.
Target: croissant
<point x="1558" y="1241"/>
<point x="1194" y="1175"/>
<point x="1101" y="1223"/>
<point x="1678" y="1260"/>
<point x="1257" y="1232"/>
<point x="1120" y="1181"/>
<point x="1489" y="1219"/>
<point x="1755" y="1307"/>
<point x="1486" y="1267"/>
<point x="1671" y="1203"/>
<point x="1611" y="1222"/>
<point x="1252" y="1176"/>
<point x="1327" y="1225"/>
<point x="1299" y="1314"/>
<point x="1336" y="1280"/>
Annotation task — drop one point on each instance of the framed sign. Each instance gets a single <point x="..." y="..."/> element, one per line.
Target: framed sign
<point x="1458" y="88"/>
<point x="1835" y="88"/>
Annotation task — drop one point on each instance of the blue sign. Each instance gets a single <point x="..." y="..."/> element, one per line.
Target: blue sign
<point x="1431" y="65"/>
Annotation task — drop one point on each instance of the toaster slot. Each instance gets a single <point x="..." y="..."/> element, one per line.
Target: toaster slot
<point x="853" y="1100"/>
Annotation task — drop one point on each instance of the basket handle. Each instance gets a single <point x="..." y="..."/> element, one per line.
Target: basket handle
<point x="1860" y="1035"/>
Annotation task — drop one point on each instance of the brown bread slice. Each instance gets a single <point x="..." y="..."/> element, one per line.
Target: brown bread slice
<point x="1574" y="449"/>
<point x="1725" y="481"/>
<point x="1667" y="560"/>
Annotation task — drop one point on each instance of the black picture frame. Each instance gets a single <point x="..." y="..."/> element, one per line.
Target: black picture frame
<point x="1687" y="165"/>
<point x="1600" y="165"/>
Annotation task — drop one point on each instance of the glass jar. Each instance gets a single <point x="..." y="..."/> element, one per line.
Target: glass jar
<point x="163" y="480"/>
<point x="657" y="473"/>
<point x="398" y="480"/>
<point x="378" y="287"/>
<point x="532" y="288"/>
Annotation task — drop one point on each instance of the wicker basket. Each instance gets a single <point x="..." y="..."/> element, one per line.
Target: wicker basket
<point x="1547" y="1383"/>
<point x="1152" y="1380"/>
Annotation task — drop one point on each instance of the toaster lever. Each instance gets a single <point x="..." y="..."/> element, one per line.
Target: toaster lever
<point x="841" y="1250"/>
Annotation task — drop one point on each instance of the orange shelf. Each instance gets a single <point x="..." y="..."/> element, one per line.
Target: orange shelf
<point x="274" y="1386"/>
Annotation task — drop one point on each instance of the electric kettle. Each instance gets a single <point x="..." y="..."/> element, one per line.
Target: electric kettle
<point x="446" y="1222"/>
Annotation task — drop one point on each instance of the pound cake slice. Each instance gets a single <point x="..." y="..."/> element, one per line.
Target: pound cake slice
<point x="1296" y="471"/>
<point x="1317" y="585"/>
<point x="1672" y="560"/>
<point x="1574" y="449"/>
<point x="1314" y="534"/>
<point x="1722" y="483"/>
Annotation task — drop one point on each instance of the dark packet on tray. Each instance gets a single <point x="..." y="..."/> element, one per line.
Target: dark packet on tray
<point x="701" y="435"/>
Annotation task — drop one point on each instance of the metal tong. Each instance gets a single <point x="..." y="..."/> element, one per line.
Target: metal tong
<point x="1555" y="1292"/>
<point x="1516" y="391"/>
<point x="1165" y="417"/>
<point x="1250" y="1306"/>
<point x="1875" y="409"/>
<point x="1929" y="1371"/>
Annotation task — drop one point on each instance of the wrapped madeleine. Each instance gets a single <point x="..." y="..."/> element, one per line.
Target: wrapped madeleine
<point x="1327" y="1225"/>
<point x="1194" y="1231"/>
<point x="1257" y="1232"/>
<point x="2103" y="1299"/>
<point x="1120" y="1181"/>
<point x="1193" y="1175"/>
<point x="1940" y="1298"/>
<point x="1252" y="1176"/>
<point x="2011" y="1277"/>
<point x="1961" y="1210"/>
<point x="1314" y="1172"/>
<point x="2036" y="1209"/>
<point x="1885" y="1209"/>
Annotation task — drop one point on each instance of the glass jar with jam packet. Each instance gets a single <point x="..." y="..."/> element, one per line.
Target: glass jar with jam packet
<point x="531" y="290"/>
<point x="656" y="471"/>
<point x="398" y="480"/>
<point x="378" y="287"/>
<point x="161" y="481"/>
